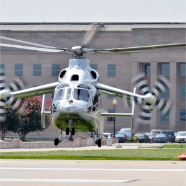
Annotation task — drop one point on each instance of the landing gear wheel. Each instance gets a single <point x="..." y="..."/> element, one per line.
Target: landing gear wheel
<point x="56" y="141"/>
<point x="67" y="131"/>
<point x="73" y="131"/>
<point x="98" y="142"/>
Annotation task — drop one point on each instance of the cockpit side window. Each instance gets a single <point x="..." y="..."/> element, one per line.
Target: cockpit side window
<point x="63" y="93"/>
<point x="81" y="94"/>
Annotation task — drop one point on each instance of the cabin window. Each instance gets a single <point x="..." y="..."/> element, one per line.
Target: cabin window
<point x="94" y="75"/>
<point x="81" y="94"/>
<point x="75" y="77"/>
<point x="62" y="74"/>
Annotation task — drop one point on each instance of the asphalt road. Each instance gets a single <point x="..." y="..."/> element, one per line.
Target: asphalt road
<point x="89" y="173"/>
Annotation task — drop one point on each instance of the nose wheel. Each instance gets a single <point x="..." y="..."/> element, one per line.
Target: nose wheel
<point x="70" y="130"/>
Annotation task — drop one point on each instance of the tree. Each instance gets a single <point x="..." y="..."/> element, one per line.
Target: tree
<point x="9" y="123"/>
<point x="28" y="119"/>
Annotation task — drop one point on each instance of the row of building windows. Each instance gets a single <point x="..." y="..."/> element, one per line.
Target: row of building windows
<point x="182" y="91"/>
<point x="182" y="116"/>
<point x="164" y="118"/>
<point x="165" y="69"/>
<point x="37" y="69"/>
<point x="111" y="69"/>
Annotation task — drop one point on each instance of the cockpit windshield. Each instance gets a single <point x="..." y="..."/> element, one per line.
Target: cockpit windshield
<point x="81" y="94"/>
<point x="63" y="93"/>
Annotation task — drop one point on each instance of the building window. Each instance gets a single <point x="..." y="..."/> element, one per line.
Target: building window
<point x="166" y="94"/>
<point x="183" y="91"/>
<point x="94" y="66"/>
<point x="110" y="118"/>
<point x="183" y="70"/>
<point x="165" y="117"/>
<point x="37" y="70"/>
<point x="147" y="70"/>
<point x="111" y="70"/>
<point x="18" y="69"/>
<point x="2" y="69"/>
<point x="183" y="115"/>
<point x="165" y="69"/>
<point x="55" y="69"/>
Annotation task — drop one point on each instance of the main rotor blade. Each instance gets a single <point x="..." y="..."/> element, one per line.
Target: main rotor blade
<point x="89" y="35"/>
<point x="26" y="42"/>
<point x="132" y="49"/>
<point x="32" y="48"/>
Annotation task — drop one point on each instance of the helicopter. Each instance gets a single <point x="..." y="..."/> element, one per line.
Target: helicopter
<point x="76" y="95"/>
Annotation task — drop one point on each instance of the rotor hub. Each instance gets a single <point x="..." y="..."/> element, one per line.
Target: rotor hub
<point x="150" y="99"/>
<point x="5" y="94"/>
<point x="77" y="50"/>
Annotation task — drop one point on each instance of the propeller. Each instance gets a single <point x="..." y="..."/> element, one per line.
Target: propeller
<point x="6" y="99"/>
<point x="159" y="88"/>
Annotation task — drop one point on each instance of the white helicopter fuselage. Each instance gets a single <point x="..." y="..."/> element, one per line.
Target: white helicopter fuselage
<point x="76" y="102"/>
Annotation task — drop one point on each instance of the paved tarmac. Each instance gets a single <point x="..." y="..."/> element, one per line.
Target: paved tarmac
<point x="89" y="173"/>
<point x="94" y="172"/>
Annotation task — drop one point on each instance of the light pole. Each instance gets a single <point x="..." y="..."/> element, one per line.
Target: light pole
<point x="114" y="102"/>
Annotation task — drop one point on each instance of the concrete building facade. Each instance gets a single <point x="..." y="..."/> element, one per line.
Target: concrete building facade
<point x="117" y="70"/>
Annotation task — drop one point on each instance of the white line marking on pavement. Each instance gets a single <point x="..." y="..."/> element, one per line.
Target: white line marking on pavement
<point x="90" y="169"/>
<point x="65" y="180"/>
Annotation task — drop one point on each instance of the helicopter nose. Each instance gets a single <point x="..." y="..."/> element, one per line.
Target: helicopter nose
<point x="70" y="101"/>
<point x="68" y="106"/>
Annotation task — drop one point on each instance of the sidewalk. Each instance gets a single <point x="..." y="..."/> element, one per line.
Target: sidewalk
<point x="104" y="147"/>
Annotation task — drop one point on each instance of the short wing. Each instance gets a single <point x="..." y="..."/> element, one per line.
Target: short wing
<point x="34" y="91"/>
<point x="120" y="93"/>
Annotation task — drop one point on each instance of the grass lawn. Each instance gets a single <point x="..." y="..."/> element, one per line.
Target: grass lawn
<point x="165" y="153"/>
